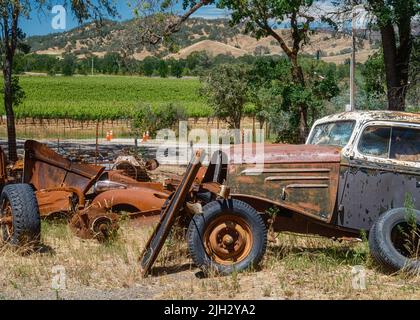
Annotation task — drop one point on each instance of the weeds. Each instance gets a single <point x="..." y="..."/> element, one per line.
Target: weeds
<point x="295" y="267"/>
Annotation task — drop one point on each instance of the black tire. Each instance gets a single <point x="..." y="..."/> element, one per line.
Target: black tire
<point x="218" y="211"/>
<point x="383" y="246"/>
<point x="25" y="215"/>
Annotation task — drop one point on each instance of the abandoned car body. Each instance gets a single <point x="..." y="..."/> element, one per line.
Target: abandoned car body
<point x="86" y="193"/>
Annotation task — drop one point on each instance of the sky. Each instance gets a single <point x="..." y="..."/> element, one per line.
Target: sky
<point x="40" y="23"/>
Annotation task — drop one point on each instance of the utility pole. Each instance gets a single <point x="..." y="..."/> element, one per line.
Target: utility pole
<point x="352" y="105"/>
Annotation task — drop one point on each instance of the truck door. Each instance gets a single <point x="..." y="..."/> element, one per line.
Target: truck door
<point x="383" y="173"/>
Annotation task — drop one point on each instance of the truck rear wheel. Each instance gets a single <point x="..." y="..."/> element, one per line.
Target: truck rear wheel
<point x="394" y="240"/>
<point x="229" y="236"/>
<point x="20" y="219"/>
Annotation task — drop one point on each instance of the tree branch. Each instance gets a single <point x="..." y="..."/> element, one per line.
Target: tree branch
<point x="173" y="27"/>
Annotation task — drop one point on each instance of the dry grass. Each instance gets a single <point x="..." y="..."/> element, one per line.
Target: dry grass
<point x="294" y="268"/>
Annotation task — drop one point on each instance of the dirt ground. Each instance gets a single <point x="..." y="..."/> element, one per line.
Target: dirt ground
<point x="295" y="267"/>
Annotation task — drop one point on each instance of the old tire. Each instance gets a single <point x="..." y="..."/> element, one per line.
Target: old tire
<point x="389" y="244"/>
<point x="18" y="201"/>
<point x="229" y="236"/>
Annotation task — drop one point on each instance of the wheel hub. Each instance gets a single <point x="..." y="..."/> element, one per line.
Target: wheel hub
<point x="228" y="239"/>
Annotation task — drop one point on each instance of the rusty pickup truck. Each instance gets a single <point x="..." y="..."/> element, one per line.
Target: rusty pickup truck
<point x="358" y="173"/>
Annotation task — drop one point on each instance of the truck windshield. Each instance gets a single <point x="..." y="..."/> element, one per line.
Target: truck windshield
<point x="333" y="133"/>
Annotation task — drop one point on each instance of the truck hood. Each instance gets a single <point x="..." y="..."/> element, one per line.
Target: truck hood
<point x="284" y="153"/>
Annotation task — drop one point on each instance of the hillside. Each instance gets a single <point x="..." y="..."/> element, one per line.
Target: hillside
<point x="212" y="36"/>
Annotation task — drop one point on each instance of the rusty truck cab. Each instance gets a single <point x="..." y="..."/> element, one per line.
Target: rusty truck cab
<point x="341" y="180"/>
<point x="380" y="166"/>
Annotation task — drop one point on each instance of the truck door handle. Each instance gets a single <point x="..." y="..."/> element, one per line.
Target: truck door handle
<point x="418" y="184"/>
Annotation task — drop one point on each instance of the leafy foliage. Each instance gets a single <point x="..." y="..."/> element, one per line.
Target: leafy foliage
<point x="226" y="90"/>
<point x="373" y="72"/>
<point x="17" y="92"/>
<point x="69" y="65"/>
<point x="146" y="118"/>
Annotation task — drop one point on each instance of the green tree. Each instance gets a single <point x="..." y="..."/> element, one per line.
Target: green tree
<point x="146" y="118"/>
<point x="150" y="64"/>
<point x="163" y="69"/>
<point x="177" y="68"/>
<point x="264" y="86"/>
<point x="373" y="72"/>
<point x="111" y="63"/>
<point x="260" y="18"/>
<point x="11" y="36"/>
<point x="18" y="92"/>
<point x="394" y="20"/>
<point x="68" y="65"/>
<point x="226" y="90"/>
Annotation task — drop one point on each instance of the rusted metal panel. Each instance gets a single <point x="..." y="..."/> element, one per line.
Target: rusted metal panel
<point x="284" y="153"/>
<point x="369" y="189"/>
<point x="289" y="221"/>
<point x="54" y="202"/>
<point x="169" y="214"/>
<point x="142" y="199"/>
<point x="45" y="169"/>
<point x="309" y="189"/>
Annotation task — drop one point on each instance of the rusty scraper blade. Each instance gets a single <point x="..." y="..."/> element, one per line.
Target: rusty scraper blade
<point x="169" y="215"/>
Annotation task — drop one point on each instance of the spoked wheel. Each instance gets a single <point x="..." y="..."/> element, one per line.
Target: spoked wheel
<point x="6" y="218"/>
<point x="228" y="239"/>
<point x="229" y="236"/>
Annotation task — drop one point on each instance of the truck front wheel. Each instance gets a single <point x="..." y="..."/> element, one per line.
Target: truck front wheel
<point x="229" y="236"/>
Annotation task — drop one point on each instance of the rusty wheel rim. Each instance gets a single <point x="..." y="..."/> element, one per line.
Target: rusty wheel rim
<point x="7" y="216"/>
<point x="228" y="239"/>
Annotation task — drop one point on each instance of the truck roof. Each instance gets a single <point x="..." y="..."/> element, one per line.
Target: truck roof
<point x="365" y="116"/>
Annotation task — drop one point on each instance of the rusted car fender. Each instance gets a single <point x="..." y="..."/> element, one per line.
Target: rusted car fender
<point x="137" y="200"/>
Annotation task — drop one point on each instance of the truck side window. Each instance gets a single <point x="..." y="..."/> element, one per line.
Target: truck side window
<point x="405" y="144"/>
<point x="375" y="141"/>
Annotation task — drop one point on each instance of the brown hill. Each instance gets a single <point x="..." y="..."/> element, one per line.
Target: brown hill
<point x="212" y="36"/>
<point x="212" y="48"/>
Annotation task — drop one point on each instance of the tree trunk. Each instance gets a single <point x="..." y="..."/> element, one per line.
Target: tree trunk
<point x="299" y="79"/>
<point x="8" y="105"/>
<point x="10" y="38"/>
<point x="395" y="99"/>
<point x="297" y="72"/>
<point x="397" y="54"/>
